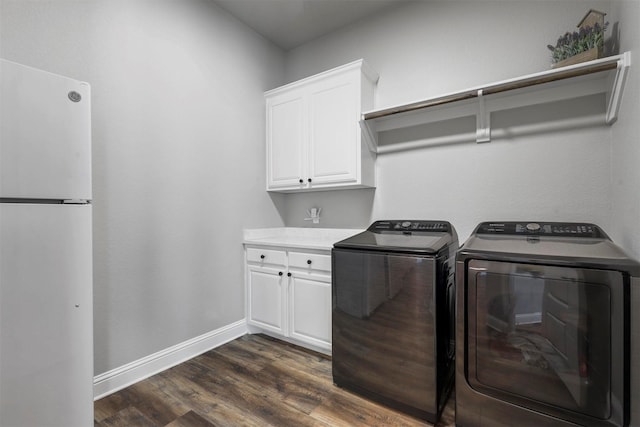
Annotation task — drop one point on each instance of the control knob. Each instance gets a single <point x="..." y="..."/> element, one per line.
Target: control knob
<point x="533" y="226"/>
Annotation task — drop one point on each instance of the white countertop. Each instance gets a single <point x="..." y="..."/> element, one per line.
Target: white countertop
<point x="294" y="237"/>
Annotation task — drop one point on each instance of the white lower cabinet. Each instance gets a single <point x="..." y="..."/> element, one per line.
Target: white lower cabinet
<point x="310" y="309"/>
<point x="266" y="298"/>
<point x="289" y="295"/>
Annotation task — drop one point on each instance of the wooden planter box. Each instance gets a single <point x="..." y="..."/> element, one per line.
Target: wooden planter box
<point x="588" y="55"/>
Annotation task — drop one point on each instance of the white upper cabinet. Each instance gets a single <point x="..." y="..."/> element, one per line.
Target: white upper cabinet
<point x="314" y="140"/>
<point x="285" y="133"/>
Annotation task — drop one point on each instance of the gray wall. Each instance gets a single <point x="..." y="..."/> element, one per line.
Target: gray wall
<point x="178" y="156"/>
<point x="625" y="138"/>
<point x="431" y="48"/>
<point x="178" y="140"/>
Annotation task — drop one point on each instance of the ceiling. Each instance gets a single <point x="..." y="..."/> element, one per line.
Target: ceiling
<point x="291" y="23"/>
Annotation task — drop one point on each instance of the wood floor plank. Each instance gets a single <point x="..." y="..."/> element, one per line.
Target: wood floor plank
<point x="207" y="401"/>
<point x="127" y="417"/>
<point x="342" y="408"/>
<point x="300" y="390"/>
<point x="244" y="388"/>
<point x="282" y="349"/>
<point x="110" y="405"/>
<point x="252" y="381"/>
<point x="190" y="419"/>
<point x="255" y="352"/>
<point x="156" y="404"/>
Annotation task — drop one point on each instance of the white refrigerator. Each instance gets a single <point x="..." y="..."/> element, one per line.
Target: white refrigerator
<point x="46" y="304"/>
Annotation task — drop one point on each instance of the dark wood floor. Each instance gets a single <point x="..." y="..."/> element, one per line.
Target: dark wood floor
<point x="252" y="381"/>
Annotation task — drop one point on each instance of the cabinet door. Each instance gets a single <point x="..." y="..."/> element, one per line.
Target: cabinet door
<point x="267" y="298"/>
<point x="310" y="309"/>
<point x="334" y="131"/>
<point x="286" y="141"/>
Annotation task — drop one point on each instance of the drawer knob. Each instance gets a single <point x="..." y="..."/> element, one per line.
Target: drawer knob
<point x="301" y="181"/>
<point x="288" y="274"/>
<point x="262" y="257"/>
<point x="309" y="179"/>
<point x="309" y="261"/>
<point x="280" y="273"/>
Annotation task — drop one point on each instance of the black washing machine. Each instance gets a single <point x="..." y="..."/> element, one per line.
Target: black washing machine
<point x="393" y="314"/>
<point x="543" y="327"/>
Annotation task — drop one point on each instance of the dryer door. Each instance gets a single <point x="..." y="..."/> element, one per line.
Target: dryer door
<point x="548" y="338"/>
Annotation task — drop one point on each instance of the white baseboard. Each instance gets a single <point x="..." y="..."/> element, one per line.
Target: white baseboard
<point x="123" y="376"/>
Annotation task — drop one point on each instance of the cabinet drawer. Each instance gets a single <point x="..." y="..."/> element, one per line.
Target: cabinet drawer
<point x="310" y="261"/>
<point x="266" y="256"/>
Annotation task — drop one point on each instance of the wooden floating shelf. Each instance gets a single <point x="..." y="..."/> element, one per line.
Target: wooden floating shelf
<point x="606" y="75"/>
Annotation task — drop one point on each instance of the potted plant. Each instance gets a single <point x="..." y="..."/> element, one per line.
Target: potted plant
<point x="583" y="45"/>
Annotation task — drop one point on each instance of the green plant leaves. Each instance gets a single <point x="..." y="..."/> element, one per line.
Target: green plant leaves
<point x="571" y="44"/>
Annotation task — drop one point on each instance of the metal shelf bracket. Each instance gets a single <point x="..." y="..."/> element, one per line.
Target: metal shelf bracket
<point x="483" y="120"/>
<point x="615" y="96"/>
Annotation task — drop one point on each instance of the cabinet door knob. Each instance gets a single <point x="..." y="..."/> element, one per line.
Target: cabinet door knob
<point x="280" y="273"/>
<point x="309" y="261"/>
<point x="261" y="256"/>
<point x="309" y="179"/>
<point x="288" y="274"/>
<point x="301" y="180"/>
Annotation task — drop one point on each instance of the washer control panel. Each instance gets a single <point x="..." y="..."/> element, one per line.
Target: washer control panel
<point x="409" y="225"/>
<point x="563" y="229"/>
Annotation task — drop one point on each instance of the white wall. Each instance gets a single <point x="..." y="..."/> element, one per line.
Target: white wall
<point x="178" y="156"/>
<point x="431" y="48"/>
<point x="625" y="140"/>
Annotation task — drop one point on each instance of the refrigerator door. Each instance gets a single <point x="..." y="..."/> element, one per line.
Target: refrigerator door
<point x="45" y="135"/>
<point x="46" y="331"/>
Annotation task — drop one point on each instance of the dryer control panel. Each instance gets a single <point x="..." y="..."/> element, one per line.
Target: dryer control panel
<point x="562" y="229"/>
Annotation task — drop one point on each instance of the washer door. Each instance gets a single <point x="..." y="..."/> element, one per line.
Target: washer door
<point x="548" y="338"/>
